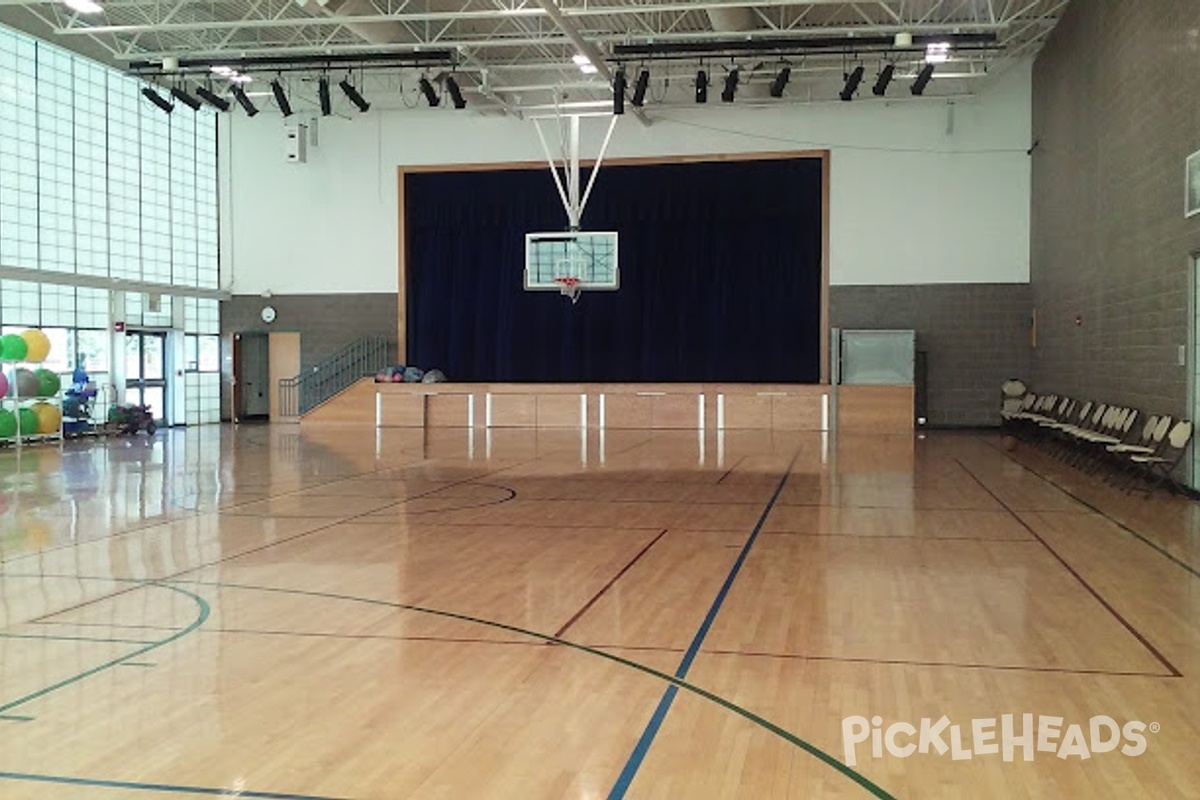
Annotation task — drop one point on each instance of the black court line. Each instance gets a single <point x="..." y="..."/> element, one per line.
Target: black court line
<point x="637" y="557"/>
<point x="1135" y="534"/>
<point x="1175" y="673"/>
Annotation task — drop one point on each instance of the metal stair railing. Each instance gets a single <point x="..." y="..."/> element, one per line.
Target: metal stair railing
<point x="332" y="374"/>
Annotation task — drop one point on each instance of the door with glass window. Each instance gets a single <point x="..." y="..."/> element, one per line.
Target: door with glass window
<point x="146" y="371"/>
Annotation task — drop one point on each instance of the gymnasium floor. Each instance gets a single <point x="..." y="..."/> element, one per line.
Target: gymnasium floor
<point x="257" y="612"/>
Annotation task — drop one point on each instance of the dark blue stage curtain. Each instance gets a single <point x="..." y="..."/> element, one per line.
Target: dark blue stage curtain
<point x="720" y="275"/>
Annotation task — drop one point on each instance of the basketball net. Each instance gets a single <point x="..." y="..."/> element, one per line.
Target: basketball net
<point x="569" y="287"/>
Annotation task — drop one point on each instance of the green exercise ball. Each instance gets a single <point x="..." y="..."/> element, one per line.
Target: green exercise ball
<point x="27" y="421"/>
<point x="8" y="424"/>
<point x="12" y="347"/>
<point x="48" y="382"/>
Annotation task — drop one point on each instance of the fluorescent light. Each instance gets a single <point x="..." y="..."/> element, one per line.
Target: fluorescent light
<point x="585" y="64"/>
<point x="221" y="70"/>
<point x="588" y="69"/>
<point x="237" y="77"/>
<point x="83" y="6"/>
<point x="581" y="59"/>
<point x="937" y="52"/>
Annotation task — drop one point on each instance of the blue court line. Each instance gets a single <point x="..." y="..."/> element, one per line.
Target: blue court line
<point x="664" y="705"/>
<point x="156" y="787"/>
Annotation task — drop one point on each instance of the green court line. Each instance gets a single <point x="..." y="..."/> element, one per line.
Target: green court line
<point x="54" y="687"/>
<point x="746" y="714"/>
<point x="16" y="718"/>
<point x="52" y="638"/>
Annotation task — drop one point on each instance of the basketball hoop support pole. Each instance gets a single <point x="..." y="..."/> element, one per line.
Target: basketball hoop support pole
<point x="572" y="202"/>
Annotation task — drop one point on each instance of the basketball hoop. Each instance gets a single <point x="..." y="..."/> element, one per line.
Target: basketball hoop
<point x="569" y="287"/>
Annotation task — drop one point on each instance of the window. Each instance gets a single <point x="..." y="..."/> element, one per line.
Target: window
<point x="210" y="353"/>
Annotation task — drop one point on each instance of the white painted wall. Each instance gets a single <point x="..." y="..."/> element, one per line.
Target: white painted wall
<point x="911" y="200"/>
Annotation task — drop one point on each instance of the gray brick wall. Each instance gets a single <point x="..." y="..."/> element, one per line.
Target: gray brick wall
<point x="1116" y="110"/>
<point x="975" y="337"/>
<point x="325" y="322"/>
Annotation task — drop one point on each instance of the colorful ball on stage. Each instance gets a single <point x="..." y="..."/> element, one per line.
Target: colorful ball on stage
<point x="49" y="418"/>
<point x="8" y="424"/>
<point x="48" y="382"/>
<point x="27" y="422"/>
<point x="12" y="347"/>
<point x="26" y="381"/>
<point x="37" y="346"/>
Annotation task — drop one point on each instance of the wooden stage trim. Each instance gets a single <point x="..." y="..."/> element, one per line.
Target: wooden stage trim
<point x="667" y="406"/>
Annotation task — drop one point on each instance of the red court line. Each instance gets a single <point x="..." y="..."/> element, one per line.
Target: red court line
<point x="559" y="633"/>
<point x="1154" y="651"/>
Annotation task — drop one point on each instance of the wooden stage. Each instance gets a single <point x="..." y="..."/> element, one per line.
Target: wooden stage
<point x="643" y="406"/>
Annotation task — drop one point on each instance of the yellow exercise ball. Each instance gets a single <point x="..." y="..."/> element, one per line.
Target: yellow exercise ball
<point x="37" y="346"/>
<point x="49" y="418"/>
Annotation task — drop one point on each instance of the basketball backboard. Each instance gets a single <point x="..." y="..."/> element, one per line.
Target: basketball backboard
<point x="589" y="257"/>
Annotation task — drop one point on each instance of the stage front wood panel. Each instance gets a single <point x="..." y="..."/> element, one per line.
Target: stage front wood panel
<point x="633" y="406"/>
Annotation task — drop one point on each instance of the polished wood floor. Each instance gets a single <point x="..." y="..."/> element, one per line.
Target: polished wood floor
<point x="261" y="612"/>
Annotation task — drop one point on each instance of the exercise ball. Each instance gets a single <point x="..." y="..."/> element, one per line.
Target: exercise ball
<point x="37" y="346"/>
<point x="27" y="383"/>
<point x="12" y="347"/>
<point x="49" y="418"/>
<point x="27" y="422"/>
<point x="48" y="382"/>
<point x="8" y="424"/>
<point x="3" y="385"/>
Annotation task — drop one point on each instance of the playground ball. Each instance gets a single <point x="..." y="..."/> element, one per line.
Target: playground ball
<point x="27" y="421"/>
<point x="27" y="383"/>
<point x="48" y="383"/>
<point x="3" y="385"/>
<point x="37" y="346"/>
<point x="12" y="347"/>
<point x="8" y="424"/>
<point x="49" y="418"/>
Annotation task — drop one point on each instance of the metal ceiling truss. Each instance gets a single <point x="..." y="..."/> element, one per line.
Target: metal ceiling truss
<point x="518" y="53"/>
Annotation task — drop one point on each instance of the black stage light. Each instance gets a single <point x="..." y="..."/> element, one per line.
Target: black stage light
<point x="731" y="84"/>
<point x="430" y="95"/>
<point x="281" y="100"/>
<point x="239" y="94"/>
<point x="701" y="87"/>
<point x="923" y="78"/>
<point x="158" y="99"/>
<point x="618" y="89"/>
<point x="781" y="80"/>
<point x="354" y="96"/>
<point x="852" y="82"/>
<point x="881" y="83"/>
<point x="219" y="103"/>
<point x="323" y="96"/>
<point x="456" y="95"/>
<point x="185" y="98"/>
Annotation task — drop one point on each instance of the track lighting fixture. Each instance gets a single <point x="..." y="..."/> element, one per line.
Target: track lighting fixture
<point x="881" y="83"/>
<point x="852" y="82"/>
<point x="158" y="99"/>
<point x="923" y="78"/>
<point x="731" y="84"/>
<point x="323" y="96"/>
<point x="206" y="94"/>
<point x="185" y="98"/>
<point x="239" y="94"/>
<point x="640" y="87"/>
<point x="618" y="89"/>
<point x="427" y="90"/>
<point x="354" y="96"/>
<point x="281" y="99"/>
<point x="781" y="81"/>
<point x="701" y="87"/>
<point x="456" y="95"/>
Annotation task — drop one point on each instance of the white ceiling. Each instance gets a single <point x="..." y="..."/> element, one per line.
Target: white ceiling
<point x="515" y="55"/>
